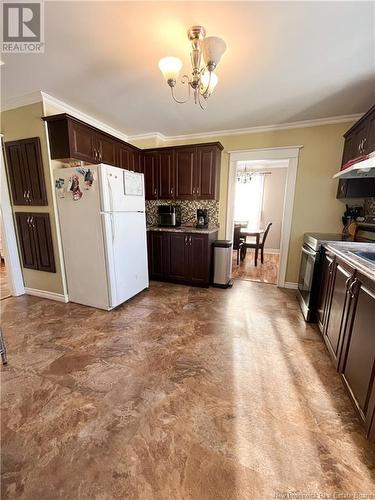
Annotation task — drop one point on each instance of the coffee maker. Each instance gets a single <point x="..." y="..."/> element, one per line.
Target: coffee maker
<point x="202" y="217"/>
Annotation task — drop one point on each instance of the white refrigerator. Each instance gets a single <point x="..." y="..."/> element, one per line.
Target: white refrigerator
<point x="103" y="231"/>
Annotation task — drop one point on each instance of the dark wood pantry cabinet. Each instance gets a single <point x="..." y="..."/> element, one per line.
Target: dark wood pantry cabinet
<point x="26" y="175"/>
<point x="181" y="257"/>
<point x="35" y="239"/>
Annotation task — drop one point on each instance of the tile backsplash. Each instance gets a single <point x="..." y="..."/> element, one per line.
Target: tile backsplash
<point x="188" y="210"/>
<point x="369" y="207"/>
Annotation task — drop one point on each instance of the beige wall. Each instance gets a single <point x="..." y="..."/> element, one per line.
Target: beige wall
<point x="22" y="123"/>
<point x="315" y="204"/>
<point x="273" y="205"/>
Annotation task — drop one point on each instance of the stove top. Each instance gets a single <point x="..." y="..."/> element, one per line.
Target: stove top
<point x="315" y="240"/>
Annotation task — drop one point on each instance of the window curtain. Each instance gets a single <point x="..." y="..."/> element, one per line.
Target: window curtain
<point x="248" y="202"/>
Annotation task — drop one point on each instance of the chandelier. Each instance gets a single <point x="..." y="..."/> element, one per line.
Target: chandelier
<point x="245" y="176"/>
<point x="203" y="80"/>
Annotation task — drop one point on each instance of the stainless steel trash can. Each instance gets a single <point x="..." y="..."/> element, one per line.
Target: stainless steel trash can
<point x="222" y="264"/>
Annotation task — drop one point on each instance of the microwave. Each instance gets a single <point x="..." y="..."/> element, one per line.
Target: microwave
<point x="169" y="215"/>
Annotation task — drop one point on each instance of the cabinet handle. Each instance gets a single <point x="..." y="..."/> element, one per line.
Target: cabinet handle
<point x="194" y="191"/>
<point x="29" y="196"/>
<point x="172" y="192"/>
<point x="198" y="191"/>
<point x="24" y="195"/>
<point x="364" y="145"/>
<point x="190" y="240"/>
<point x="351" y="288"/>
<point x="28" y="220"/>
<point x="185" y="239"/>
<point x="155" y="193"/>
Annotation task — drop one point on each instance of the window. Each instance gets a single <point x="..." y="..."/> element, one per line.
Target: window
<point x="248" y="202"/>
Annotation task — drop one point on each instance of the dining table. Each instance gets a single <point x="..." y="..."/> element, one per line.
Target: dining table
<point x="245" y="232"/>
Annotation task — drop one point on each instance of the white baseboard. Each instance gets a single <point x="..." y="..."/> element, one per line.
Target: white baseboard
<point x="46" y="295"/>
<point x="292" y="286"/>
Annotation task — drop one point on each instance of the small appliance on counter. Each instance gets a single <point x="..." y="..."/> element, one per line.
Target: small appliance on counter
<point x="169" y="215"/>
<point x="352" y="214"/>
<point x="202" y="217"/>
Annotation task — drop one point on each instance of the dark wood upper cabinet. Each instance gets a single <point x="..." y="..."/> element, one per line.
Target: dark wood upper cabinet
<point x="208" y="172"/>
<point x="82" y="142"/>
<point x="26" y="174"/>
<point x="35" y="239"/>
<point x="186" y="165"/>
<point x="70" y="137"/>
<point x="105" y="149"/>
<point x="359" y="141"/>
<point x="181" y="172"/>
<point x="166" y="181"/>
<point x="150" y="168"/>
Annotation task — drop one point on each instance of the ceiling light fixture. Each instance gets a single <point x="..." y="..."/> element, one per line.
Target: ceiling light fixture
<point x="203" y="79"/>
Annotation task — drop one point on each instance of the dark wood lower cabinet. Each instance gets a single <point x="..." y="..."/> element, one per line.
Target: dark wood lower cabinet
<point x="346" y="317"/>
<point x="35" y="240"/>
<point x="180" y="257"/>
<point x="357" y="363"/>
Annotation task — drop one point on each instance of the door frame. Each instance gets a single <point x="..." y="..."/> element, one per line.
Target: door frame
<point x="290" y="153"/>
<point x="8" y="234"/>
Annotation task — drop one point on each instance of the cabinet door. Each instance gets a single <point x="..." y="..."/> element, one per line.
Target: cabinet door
<point x="199" y="272"/>
<point x="326" y="269"/>
<point x="186" y="164"/>
<point x="124" y="159"/>
<point x="26" y="174"/>
<point x="348" y="153"/>
<point x="43" y="242"/>
<point x="336" y="311"/>
<point x="26" y="240"/>
<point x="17" y="172"/>
<point x="151" y="177"/>
<point x="370" y="139"/>
<point x="357" y="364"/>
<point x="206" y="172"/>
<point x="82" y="142"/>
<point x="166" y="174"/>
<point x="157" y="257"/>
<point x="136" y="161"/>
<point x="178" y="256"/>
<point x="106" y="149"/>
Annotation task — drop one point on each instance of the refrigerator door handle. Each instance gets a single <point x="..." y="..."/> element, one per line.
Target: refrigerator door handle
<point x="113" y="231"/>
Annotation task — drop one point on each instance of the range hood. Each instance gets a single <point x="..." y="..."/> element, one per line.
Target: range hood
<point x="364" y="167"/>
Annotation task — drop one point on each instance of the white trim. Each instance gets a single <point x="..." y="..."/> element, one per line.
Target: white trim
<point x="290" y="153"/>
<point x="55" y="209"/>
<point x="71" y="110"/>
<point x="8" y="233"/>
<point x="291" y="285"/>
<point x="250" y="130"/>
<point x="60" y="297"/>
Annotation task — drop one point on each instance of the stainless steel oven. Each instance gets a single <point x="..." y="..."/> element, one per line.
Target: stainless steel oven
<point x="306" y="280"/>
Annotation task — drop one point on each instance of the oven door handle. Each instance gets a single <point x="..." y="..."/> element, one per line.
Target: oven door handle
<point x="313" y="254"/>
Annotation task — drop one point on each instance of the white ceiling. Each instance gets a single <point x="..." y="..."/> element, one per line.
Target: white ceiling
<point x="286" y="61"/>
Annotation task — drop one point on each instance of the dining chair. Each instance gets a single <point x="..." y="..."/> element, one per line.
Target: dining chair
<point x="238" y="242"/>
<point x="259" y="245"/>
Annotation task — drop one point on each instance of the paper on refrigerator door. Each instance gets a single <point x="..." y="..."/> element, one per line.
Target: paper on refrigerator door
<point x="133" y="185"/>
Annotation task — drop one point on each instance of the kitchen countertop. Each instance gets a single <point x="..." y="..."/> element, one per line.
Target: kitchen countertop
<point x="344" y="250"/>
<point x="185" y="229"/>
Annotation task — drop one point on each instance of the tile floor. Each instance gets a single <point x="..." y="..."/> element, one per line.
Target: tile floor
<point x="264" y="273"/>
<point x="182" y="393"/>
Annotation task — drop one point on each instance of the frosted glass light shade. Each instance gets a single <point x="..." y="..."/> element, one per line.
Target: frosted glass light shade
<point x="170" y="67"/>
<point x="213" y="48"/>
<point x="213" y="82"/>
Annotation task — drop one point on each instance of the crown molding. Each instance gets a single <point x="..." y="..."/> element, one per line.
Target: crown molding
<point x="251" y="130"/>
<point x="71" y="110"/>
<point x="43" y="97"/>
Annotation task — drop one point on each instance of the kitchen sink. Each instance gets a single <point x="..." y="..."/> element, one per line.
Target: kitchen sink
<point x="370" y="256"/>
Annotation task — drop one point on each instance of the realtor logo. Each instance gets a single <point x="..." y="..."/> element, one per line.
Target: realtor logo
<point x="22" y="27"/>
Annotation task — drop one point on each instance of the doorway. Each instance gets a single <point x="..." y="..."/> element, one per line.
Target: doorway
<point x="260" y="165"/>
<point x="258" y="210"/>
